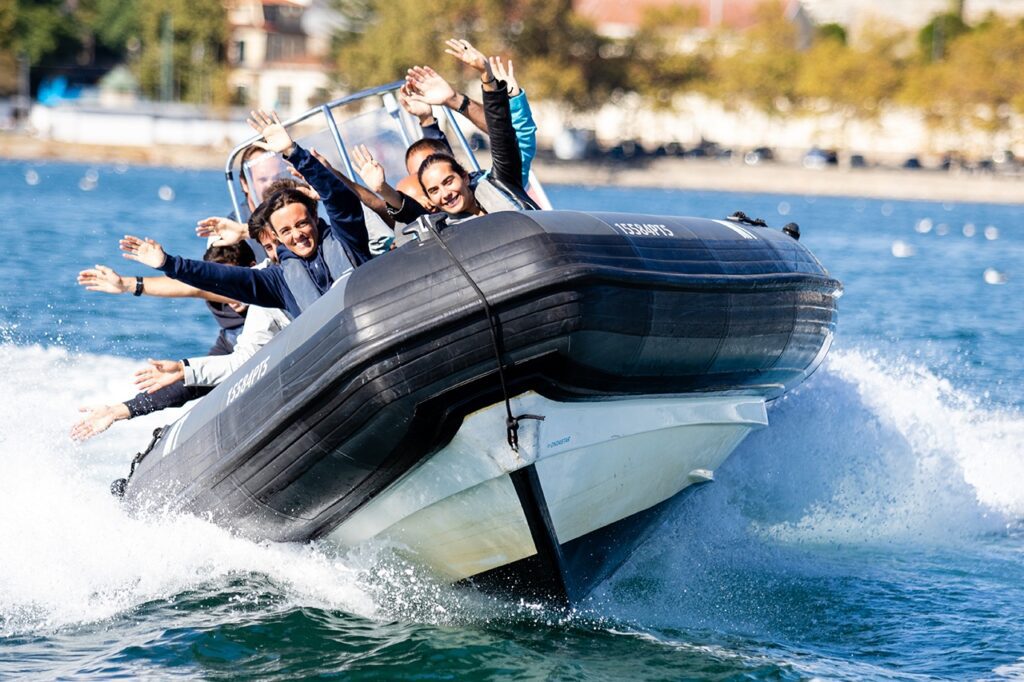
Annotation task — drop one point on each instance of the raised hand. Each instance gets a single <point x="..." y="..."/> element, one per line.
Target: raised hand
<point x="369" y="168"/>
<point x="102" y="278"/>
<point x="98" y="420"/>
<point x="488" y="81"/>
<point x="407" y="97"/>
<point x="148" y="251"/>
<point x="159" y="374"/>
<point x="269" y="126"/>
<point x="431" y="87"/>
<point x="464" y="51"/>
<point x="225" y="230"/>
<point x="506" y="74"/>
<point x="303" y="186"/>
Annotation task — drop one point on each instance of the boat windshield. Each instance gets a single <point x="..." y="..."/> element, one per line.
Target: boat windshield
<point x="372" y="117"/>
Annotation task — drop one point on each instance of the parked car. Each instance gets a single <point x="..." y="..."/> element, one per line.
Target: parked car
<point x="858" y="161"/>
<point x="704" y="149"/>
<point x="912" y="163"/>
<point x="627" y="150"/>
<point x="675" y="149"/>
<point x="574" y="144"/>
<point x="758" y="155"/>
<point x="817" y="158"/>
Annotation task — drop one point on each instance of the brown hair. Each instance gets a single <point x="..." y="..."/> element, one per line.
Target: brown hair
<point x="435" y="159"/>
<point x="286" y="197"/>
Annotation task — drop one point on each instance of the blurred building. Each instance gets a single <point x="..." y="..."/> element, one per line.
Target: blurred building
<point x="855" y="14"/>
<point x="617" y="19"/>
<point x="621" y="19"/>
<point x="278" y="53"/>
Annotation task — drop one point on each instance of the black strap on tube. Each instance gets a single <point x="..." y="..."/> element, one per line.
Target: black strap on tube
<point x="511" y="421"/>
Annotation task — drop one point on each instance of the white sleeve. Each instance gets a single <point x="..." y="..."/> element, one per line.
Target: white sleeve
<point x="261" y="325"/>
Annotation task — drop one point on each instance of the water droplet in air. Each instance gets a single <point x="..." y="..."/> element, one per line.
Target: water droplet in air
<point x="901" y="249"/>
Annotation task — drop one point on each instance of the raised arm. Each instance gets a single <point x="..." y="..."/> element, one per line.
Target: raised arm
<point x="103" y="278"/>
<point x="265" y="287"/>
<point x="506" y="162"/>
<point x="366" y="197"/>
<point x="225" y="230"/>
<point x="522" y="117"/>
<point x="464" y="51"/>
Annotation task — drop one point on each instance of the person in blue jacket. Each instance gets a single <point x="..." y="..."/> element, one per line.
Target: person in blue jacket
<point x="313" y="253"/>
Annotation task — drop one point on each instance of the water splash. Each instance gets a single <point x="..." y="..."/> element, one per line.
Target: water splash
<point x="71" y="554"/>
<point x="865" y="452"/>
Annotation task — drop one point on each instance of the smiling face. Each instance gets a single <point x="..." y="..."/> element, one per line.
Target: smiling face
<point x="269" y="243"/>
<point x="295" y="228"/>
<point x="448" y="189"/>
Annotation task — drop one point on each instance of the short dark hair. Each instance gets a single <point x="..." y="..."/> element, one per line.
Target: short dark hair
<point x="286" y="197"/>
<point x="283" y="183"/>
<point x="258" y="221"/>
<point x="232" y="254"/>
<point x="435" y="146"/>
<point x="251" y="151"/>
<point x="435" y="159"/>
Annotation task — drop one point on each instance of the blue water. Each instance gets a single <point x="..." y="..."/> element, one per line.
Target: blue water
<point x="873" y="531"/>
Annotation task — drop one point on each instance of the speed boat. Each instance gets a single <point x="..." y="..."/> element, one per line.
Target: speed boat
<point x="513" y="402"/>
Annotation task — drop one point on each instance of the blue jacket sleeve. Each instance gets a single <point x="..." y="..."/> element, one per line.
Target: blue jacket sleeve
<point x="264" y="287"/>
<point x="526" y="132"/>
<point x="344" y="210"/>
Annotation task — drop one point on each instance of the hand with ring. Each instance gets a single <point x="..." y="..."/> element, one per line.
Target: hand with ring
<point x="464" y="51"/>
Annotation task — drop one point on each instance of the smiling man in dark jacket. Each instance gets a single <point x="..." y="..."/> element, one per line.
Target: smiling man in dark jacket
<point x="313" y="253"/>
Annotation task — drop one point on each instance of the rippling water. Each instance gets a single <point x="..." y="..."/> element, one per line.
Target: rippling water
<point x="872" y="531"/>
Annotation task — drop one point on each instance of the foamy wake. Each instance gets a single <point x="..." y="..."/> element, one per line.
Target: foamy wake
<point x="69" y="552"/>
<point x="873" y="450"/>
<point x="862" y="451"/>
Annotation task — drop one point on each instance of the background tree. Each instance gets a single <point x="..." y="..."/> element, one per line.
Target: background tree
<point x="662" y="60"/>
<point x="855" y="82"/>
<point x="556" y="54"/>
<point x="198" y="30"/>
<point x="934" y="39"/>
<point x="762" y="67"/>
<point x="972" y="86"/>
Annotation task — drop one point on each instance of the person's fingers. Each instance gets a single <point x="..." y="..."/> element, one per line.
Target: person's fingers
<point x="510" y="68"/>
<point x="276" y="118"/>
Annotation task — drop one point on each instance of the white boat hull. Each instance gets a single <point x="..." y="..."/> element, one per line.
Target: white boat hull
<point x="477" y="510"/>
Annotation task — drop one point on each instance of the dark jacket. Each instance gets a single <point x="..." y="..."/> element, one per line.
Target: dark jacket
<point x="269" y="287"/>
<point x="506" y="161"/>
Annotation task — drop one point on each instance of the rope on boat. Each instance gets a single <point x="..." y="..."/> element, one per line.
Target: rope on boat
<point x="118" y="487"/>
<point x="494" y="324"/>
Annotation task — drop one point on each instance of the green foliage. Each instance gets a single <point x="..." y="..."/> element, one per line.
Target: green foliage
<point x="854" y="81"/>
<point x="40" y="28"/>
<point x="555" y="53"/>
<point x="938" y="33"/>
<point x="200" y="32"/>
<point x="972" y="86"/>
<point x="832" y="31"/>
<point x="114" y="22"/>
<point x="660" y="62"/>
<point x="762" y="68"/>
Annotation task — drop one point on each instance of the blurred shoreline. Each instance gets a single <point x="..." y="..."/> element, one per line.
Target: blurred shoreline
<point x="669" y="173"/>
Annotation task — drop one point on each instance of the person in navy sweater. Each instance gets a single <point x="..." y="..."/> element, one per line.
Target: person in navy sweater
<point x="313" y="253"/>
